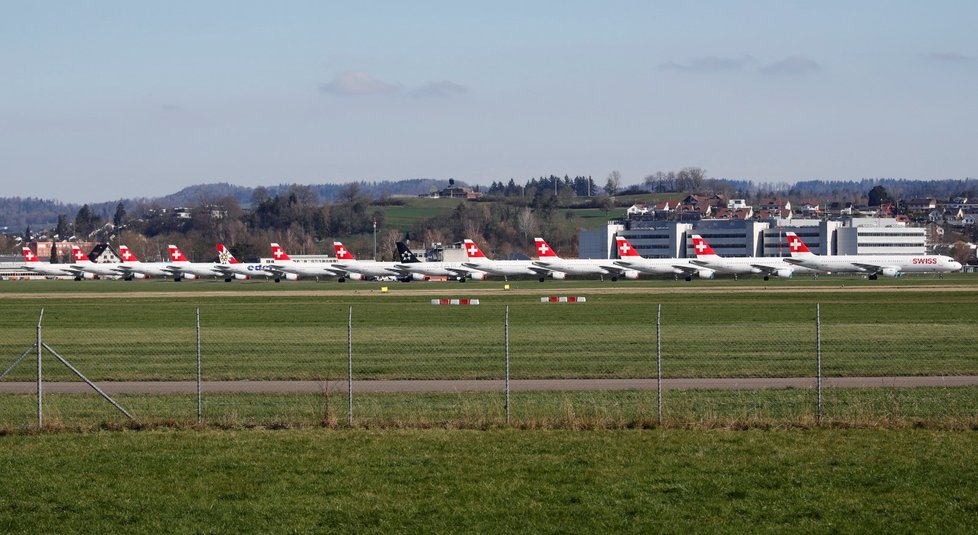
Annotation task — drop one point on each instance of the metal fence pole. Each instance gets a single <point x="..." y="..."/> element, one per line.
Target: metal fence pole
<point x="349" y="380"/>
<point x="818" y="356"/>
<point x="658" y="360"/>
<point x="200" y="406"/>
<point x="40" y="392"/>
<point x="506" y="341"/>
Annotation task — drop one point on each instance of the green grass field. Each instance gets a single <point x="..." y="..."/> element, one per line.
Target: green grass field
<point x="879" y="460"/>
<point x="733" y="329"/>
<point x="503" y="481"/>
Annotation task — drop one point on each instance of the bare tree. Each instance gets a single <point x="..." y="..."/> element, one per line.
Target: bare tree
<point x="614" y="183"/>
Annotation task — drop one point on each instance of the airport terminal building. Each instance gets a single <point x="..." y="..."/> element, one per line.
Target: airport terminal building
<point x="673" y="239"/>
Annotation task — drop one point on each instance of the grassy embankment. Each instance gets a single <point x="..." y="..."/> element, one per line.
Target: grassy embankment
<point x="496" y="481"/>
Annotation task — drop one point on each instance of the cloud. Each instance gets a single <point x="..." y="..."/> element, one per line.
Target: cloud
<point x="442" y="89"/>
<point x="353" y="83"/>
<point x="170" y="108"/>
<point x="949" y="57"/>
<point x="709" y="64"/>
<point x="792" y="66"/>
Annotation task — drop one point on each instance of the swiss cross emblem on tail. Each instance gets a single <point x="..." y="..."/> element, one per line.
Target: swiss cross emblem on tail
<point x="701" y="247"/>
<point x="625" y="248"/>
<point x="341" y="252"/>
<point x="795" y="245"/>
<point x="543" y="249"/>
<point x="176" y="255"/>
<point x="78" y="255"/>
<point x="29" y="255"/>
<point x="472" y="250"/>
<point x="278" y="253"/>
<point x="126" y="254"/>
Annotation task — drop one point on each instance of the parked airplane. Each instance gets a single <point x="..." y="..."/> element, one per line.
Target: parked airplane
<point x="410" y="264"/>
<point x="580" y="266"/>
<point x="630" y="259"/>
<point x="768" y="266"/>
<point x="506" y="268"/>
<point x="363" y="269"/>
<point x="233" y="269"/>
<point x="84" y="263"/>
<point x="33" y="263"/>
<point x="285" y="268"/>
<point x="872" y="265"/>
<point x="180" y="268"/>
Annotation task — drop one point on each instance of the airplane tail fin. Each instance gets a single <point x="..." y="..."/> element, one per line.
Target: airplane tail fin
<point x="342" y="253"/>
<point x="225" y="256"/>
<point x="473" y="252"/>
<point x="407" y="256"/>
<point x="625" y="249"/>
<point x="29" y="256"/>
<point x="701" y="248"/>
<point x="78" y="256"/>
<point x="796" y="246"/>
<point x="543" y="249"/>
<point x="176" y="255"/>
<point x="126" y="255"/>
<point x="279" y="253"/>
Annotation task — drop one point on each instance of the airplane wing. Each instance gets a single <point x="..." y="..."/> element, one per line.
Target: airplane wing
<point x="767" y="270"/>
<point x="687" y="269"/>
<point x="871" y="268"/>
<point x="794" y="261"/>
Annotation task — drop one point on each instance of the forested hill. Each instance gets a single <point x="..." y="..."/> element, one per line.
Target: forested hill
<point x="17" y="213"/>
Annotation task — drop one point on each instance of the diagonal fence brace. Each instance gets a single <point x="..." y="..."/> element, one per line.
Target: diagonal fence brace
<point x="16" y="362"/>
<point x="83" y="378"/>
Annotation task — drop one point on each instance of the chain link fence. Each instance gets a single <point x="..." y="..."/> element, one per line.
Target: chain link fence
<point x="411" y="364"/>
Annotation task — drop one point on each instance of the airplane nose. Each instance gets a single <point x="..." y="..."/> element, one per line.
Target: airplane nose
<point x="956" y="265"/>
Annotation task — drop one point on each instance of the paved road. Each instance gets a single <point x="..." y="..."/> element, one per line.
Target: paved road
<point x="523" y="385"/>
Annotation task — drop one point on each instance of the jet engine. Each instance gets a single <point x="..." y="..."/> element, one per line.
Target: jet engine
<point x="241" y="276"/>
<point x="706" y="274"/>
<point x="891" y="272"/>
<point x="558" y="275"/>
<point x="355" y="276"/>
<point x="189" y="276"/>
<point x="785" y="273"/>
<point x="477" y="276"/>
<point x="139" y="276"/>
<point x="87" y="276"/>
<point x="419" y="277"/>
<point x="631" y="274"/>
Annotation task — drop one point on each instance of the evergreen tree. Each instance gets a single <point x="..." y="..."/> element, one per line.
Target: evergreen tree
<point x="120" y="214"/>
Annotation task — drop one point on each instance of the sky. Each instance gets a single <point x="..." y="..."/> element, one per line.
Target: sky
<point x="105" y="100"/>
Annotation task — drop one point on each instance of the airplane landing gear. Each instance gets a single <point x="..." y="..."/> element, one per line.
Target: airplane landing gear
<point x="767" y="277"/>
<point x="542" y="279"/>
<point x="341" y="279"/>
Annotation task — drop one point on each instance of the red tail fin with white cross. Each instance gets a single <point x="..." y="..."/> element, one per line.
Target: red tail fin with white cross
<point x="279" y="254"/>
<point x="126" y="255"/>
<point x="625" y="249"/>
<point x="796" y="246"/>
<point x="701" y="248"/>
<point x="543" y="249"/>
<point x="472" y="251"/>
<point x="29" y="256"/>
<point x="342" y="253"/>
<point x="225" y="256"/>
<point x="176" y="255"/>
<point x="77" y="256"/>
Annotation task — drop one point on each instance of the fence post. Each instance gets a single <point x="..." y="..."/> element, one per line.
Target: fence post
<point x="200" y="406"/>
<point x="349" y="380"/>
<point x="658" y="360"/>
<point x="818" y="357"/>
<point x="506" y="341"/>
<point x="40" y="392"/>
